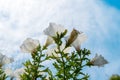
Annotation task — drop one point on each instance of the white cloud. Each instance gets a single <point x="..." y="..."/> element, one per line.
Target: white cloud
<point x="20" y="19"/>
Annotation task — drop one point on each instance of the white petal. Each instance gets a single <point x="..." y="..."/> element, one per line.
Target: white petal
<point x="80" y="39"/>
<point x="99" y="60"/>
<point x="24" y="49"/>
<point x="51" y="51"/>
<point x="29" y="45"/>
<point x="5" y="60"/>
<point x="49" y="41"/>
<point x="53" y="28"/>
<point x="67" y="50"/>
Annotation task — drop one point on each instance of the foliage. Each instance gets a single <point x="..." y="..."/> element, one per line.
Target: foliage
<point x="67" y="65"/>
<point x="34" y="68"/>
<point x="2" y="75"/>
<point x="115" y="77"/>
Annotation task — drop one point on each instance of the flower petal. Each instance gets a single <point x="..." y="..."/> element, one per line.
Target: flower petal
<point x="75" y="39"/>
<point x="74" y="34"/>
<point x="53" y="28"/>
<point x="5" y="60"/>
<point x="48" y="41"/>
<point x="99" y="61"/>
<point x="29" y="45"/>
<point x="51" y="51"/>
<point x="79" y="40"/>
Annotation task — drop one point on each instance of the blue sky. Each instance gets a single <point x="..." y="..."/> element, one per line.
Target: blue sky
<point x="113" y="3"/>
<point x="99" y="19"/>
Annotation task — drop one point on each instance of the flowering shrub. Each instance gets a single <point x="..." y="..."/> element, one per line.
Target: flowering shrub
<point x="67" y="58"/>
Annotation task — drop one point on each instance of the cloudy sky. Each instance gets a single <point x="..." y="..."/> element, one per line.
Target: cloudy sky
<point x="98" y="19"/>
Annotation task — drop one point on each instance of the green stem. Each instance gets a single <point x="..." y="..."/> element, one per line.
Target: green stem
<point x="61" y="53"/>
<point x="36" y="63"/>
<point x="80" y="66"/>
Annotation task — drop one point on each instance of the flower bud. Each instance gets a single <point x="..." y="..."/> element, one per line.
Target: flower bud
<point x="72" y="37"/>
<point x="75" y="39"/>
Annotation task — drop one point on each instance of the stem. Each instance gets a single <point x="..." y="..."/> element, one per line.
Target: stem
<point x="80" y="66"/>
<point x="61" y="53"/>
<point x="36" y="63"/>
<point x="63" y="66"/>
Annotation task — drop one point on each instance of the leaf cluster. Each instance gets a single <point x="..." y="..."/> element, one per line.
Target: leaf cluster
<point x="69" y="65"/>
<point x="2" y="75"/>
<point x="34" y="69"/>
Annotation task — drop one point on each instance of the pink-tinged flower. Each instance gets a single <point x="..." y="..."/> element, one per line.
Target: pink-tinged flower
<point x="29" y="45"/>
<point x="76" y="38"/>
<point x="14" y="74"/>
<point x="5" y="60"/>
<point x="48" y="41"/>
<point x="53" y="28"/>
<point x="98" y="60"/>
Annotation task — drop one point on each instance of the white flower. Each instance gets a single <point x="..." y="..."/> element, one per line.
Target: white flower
<point x="79" y="40"/>
<point x="53" y="28"/>
<point x="5" y="60"/>
<point x="51" y="52"/>
<point x="48" y="41"/>
<point x="14" y="74"/>
<point x="75" y="39"/>
<point x="99" y="60"/>
<point x="29" y="45"/>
